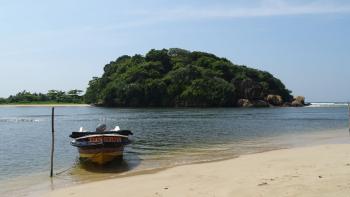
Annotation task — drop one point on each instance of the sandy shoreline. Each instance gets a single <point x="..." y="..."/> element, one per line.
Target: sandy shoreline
<point x="46" y="105"/>
<point x="312" y="171"/>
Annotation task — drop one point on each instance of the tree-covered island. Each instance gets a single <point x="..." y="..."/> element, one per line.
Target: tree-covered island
<point x="181" y="78"/>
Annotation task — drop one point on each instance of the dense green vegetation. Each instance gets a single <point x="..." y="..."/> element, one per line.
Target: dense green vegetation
<point x="52" y="96"/>
<point x="177" y="77"/>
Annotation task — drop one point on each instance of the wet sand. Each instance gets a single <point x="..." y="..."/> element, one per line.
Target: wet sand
<point x="310" y="171"/>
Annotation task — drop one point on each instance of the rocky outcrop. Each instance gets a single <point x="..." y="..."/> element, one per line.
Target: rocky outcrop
<point x="286" y="104"/>
<point x="244" y="103"/>
<point x="272" y="100"/>
<point x="298" y="101"/>
<point x="252" y="103"/>
<point x="260" y="103"/>
<point x="275" y="100"/>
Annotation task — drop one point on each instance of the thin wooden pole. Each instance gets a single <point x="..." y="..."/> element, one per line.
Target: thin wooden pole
<point x="53" y="138"/>
<point x="349" y="115"/>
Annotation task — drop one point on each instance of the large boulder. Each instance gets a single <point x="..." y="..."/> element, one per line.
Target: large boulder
<point x="275" y="100"/>
<point x="244" y="103"/>
<point x="298" y="101"/>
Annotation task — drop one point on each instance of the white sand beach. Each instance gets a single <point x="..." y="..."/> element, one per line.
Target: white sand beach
<point x="309" y="171"/>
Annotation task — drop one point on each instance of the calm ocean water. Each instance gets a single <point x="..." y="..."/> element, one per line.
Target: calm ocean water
<point x="162" y="138"/>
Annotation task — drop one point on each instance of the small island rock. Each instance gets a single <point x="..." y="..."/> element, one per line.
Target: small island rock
<point x="181" y="78"/>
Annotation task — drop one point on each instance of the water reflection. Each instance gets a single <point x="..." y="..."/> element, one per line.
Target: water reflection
<point x="117" y="165"/>
<point x="162" y="138"/>
<point x="83" y="171"/>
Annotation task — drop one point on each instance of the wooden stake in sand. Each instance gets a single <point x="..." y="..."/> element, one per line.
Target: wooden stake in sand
<point x="349" y="115"/>
<point x="53" y="139"/>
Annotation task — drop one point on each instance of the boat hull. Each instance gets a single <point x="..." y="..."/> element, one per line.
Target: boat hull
<point x="101" y="155"/>
<point x="100" y="148"/>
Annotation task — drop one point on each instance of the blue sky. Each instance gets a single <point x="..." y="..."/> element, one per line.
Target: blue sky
<point x="62" y="45"/>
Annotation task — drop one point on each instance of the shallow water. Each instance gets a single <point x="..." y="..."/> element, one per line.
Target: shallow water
<point x="162" y="138"/>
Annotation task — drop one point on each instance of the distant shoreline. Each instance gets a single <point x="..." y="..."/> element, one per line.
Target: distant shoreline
<point x="46" y="105"/>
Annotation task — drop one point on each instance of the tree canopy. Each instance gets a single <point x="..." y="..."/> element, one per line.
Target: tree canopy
<point x="52" y="96"/>
<point x="178" y="77"/>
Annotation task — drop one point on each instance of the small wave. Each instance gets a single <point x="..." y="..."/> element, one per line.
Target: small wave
<point x="328" y="104"/>
<point x="19" y="120"/>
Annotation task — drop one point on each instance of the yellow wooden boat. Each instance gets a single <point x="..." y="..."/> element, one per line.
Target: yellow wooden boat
<point x="102" y="146"/>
